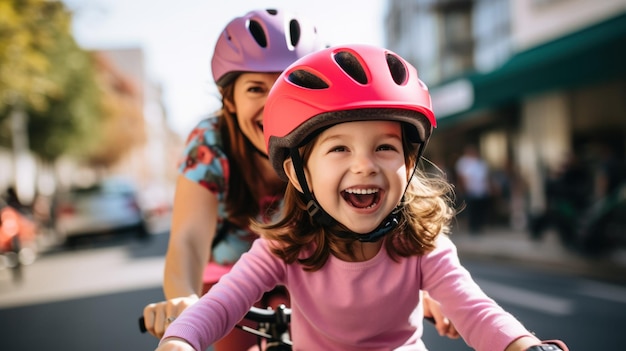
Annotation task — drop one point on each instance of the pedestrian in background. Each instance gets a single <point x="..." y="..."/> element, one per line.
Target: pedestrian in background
<point x="473" y="187"/>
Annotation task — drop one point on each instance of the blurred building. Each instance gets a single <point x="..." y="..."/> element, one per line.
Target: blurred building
<point x="149" y="149"/>
<point x="153" y="163"/>
<point x="530" y="81"/>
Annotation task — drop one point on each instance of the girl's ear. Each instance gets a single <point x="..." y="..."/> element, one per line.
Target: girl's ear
<point x="291" y="173"/>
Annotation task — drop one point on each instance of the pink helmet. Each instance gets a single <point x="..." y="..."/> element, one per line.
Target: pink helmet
<point x="342" y="84"/>
<point x="262" y="41"/>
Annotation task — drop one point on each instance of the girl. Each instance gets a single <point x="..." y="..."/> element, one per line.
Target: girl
<point x="362" y="229"/>
<point x="226" y="178"/>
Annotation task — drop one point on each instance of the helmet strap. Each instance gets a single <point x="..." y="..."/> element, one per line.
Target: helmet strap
<point x="314" y="209"/>
<point x="389" y="223"/>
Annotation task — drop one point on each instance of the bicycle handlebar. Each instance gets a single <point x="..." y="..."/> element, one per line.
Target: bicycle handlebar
<point x="281" y="315"/>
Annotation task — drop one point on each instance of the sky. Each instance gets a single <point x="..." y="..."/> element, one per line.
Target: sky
<point x="178" y="37"/>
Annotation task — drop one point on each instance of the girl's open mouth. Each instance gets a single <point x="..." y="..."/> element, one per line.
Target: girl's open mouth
<point x="361" y="198"/>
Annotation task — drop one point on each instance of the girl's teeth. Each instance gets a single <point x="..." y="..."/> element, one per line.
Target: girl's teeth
<point x="362" y="191"/>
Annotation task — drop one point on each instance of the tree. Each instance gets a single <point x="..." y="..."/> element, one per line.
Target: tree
<point x="123" y="126"/>
<point x="44" y="73"/>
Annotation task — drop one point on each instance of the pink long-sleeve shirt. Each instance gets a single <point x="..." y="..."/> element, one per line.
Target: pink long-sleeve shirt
<point x="367" y="305"/>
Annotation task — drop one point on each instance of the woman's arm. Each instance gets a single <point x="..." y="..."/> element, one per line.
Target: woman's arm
<point x="194" y="220"/>
<point x="432" y="308"/>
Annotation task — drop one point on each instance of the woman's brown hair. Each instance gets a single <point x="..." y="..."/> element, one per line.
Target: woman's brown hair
<point x="243" y="173"/>
<point x="426" y="212"/>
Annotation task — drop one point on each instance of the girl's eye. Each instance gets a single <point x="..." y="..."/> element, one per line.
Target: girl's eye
<point x="386" y="147"/>
<point x="338" y="149"/>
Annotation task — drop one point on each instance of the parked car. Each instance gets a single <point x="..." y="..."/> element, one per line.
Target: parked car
<point x="18" y="242"/>
<point x="107" y="207"/>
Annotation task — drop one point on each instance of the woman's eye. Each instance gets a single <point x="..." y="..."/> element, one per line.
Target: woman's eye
<point x="256" y="89"/>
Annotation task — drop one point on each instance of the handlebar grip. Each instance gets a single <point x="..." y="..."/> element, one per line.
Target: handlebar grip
<point x="142" y="325"/>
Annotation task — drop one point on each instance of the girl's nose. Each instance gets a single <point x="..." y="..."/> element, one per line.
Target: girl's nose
<point x="364" y="164"/>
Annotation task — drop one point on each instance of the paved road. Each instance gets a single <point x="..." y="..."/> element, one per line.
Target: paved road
<point x="499" y="245"/>
<point x="90" y="298"/>
<point x="83" y="299"/>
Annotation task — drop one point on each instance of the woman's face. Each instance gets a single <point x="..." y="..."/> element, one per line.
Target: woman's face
<point x="249" y="95"/>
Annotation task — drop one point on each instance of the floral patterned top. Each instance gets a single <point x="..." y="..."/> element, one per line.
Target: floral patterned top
<point x="205" y="162"/>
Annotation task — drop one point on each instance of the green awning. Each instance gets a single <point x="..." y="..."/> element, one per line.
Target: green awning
<point x="592" y="55"/>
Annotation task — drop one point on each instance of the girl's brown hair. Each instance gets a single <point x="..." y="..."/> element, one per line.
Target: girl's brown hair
<point x="426" y="212"/>
<point x="243" y="173"/>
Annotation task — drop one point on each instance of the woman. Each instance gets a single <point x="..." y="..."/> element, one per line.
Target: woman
<point x="225" y="179"/>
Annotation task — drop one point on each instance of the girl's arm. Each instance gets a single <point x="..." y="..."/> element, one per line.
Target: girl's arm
<point x="482" y="323"/>
<point x="174" y="344"/>
<point x="523" y="343"/>
<point x="219" y="310"/>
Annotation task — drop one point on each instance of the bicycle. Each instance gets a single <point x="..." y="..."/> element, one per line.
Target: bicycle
<point x="273" y="327"/>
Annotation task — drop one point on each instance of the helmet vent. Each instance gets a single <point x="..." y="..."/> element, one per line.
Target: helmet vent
<point x="294" y="29"/>
<point x="397" y="69"/>
<point x="272" y="12"/>
<point x="351" y="65"/>
<point x="257" y="32"/>
<point x="306" y="79"/>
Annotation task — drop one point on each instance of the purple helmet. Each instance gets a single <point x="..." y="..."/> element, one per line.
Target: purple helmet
<point x="262" y="41"/>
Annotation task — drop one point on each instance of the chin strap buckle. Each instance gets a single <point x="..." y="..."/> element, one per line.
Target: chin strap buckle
<point x="390" y="223"/>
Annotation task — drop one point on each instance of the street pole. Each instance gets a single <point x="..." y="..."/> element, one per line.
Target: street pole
<point x="23" y="165"/>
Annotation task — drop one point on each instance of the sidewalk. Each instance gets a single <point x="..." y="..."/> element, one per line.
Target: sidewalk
<point x="504" y="244"/>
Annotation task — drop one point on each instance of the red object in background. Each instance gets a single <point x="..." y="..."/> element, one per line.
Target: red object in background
<point x="13" y="225"/>
<point x="18" y="244"/>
